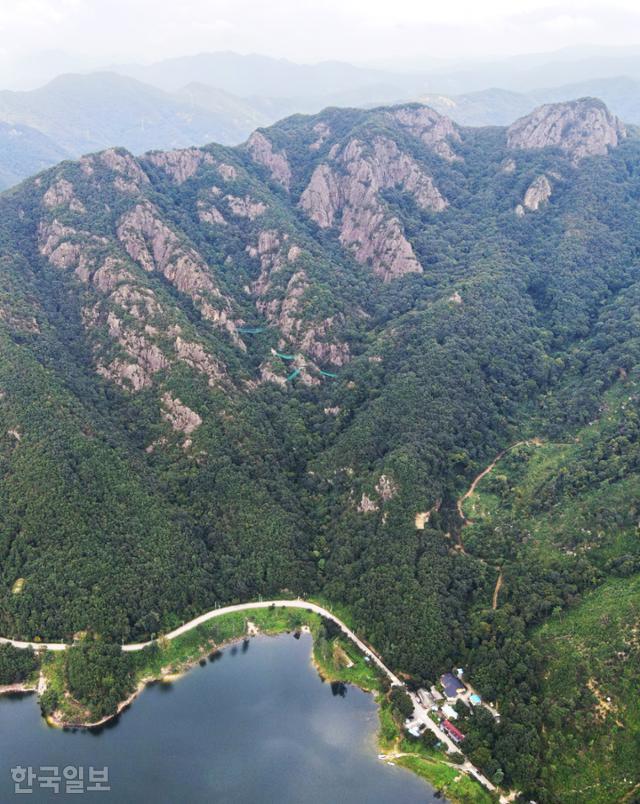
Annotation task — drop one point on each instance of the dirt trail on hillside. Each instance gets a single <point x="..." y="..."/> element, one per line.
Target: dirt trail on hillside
<point x="534" y="441"/>
<point x="496" y="592"/>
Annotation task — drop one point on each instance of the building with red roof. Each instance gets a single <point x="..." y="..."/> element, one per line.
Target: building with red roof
<point x="456" y="735"/>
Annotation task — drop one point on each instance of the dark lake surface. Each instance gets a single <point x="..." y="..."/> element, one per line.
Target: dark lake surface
<point x="257" y="725"/>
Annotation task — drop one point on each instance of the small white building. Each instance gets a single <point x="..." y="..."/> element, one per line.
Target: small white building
<point x="449" y="712"/>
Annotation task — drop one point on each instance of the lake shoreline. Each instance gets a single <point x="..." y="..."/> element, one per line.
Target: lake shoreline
<point x="334" y="658"/>
<point x="18" y="689"/>
<point x="58" y="722"/>
<point x="252" y="724"/>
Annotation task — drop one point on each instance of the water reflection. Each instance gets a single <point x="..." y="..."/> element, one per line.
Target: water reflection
<point x="260" y="728"/>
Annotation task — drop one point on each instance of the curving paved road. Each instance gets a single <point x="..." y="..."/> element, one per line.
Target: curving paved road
<point x="421" y="713"/>
<point x="210" y="615"/>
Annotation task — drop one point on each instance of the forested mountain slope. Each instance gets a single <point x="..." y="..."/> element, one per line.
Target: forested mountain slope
<point x="227" y="372"/>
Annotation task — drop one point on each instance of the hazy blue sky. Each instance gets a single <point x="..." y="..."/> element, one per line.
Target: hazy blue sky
<point x="310" y="30"/>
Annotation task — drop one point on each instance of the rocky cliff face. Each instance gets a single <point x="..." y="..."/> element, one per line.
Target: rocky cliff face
<point x="134" y="331"/>
<point x="61" y="194"/>
<point x="434" y="130"/>
<point x="182" y="164"/>
<point x="181" y="418"/>
<point x="174" y="250"/>
<point x="580" y="128"/>
<point x="538" y="192"/>
<point x="348" y="187"/>
<point x="263" y="153"/>
<point x="150" y="242"/>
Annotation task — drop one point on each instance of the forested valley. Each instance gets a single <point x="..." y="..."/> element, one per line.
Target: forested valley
<point x="275" y="369"/>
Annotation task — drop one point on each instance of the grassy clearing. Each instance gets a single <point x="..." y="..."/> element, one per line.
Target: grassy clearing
<point x="341" y="611"/>
<point x="389" y="733"/>
<point x="331" y="665"/>
<point x="53" y="670"/>
<point x="18" y="586"/>
<point x="448" y="779"/>
<point x="171" y="657"/>
<point x="530" y="493"/>
<point x="57" y="699"/>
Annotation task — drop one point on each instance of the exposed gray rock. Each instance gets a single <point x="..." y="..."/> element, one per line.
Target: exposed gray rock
<point x="111" y="273"/>
<point x="324" y="132"/>
<point x="352" y="189"/>
<point x="436" y="131"/>
<point x="322" y="197"/>
<point x="581" y="128"/>
<point x="181" y="418"/>
<point x="181" y="164"/>
<point x="386" y="487"/>
<point x="196" y="356"/>
<point x="319" y="342"/>
<point x="155" y="247"/>
<point x="146" y="359"/>
<point x="61" y="193"/>
<point x="537" y="193"/>
<point x="262" y="152"/>
<point x="367" y="505"/>
<point x="207" y="213"/>
<point x="68" y="248"/>
<point x="120" y="162"/>
<point x="228" y="172"/>
<point x="245" y="207"/>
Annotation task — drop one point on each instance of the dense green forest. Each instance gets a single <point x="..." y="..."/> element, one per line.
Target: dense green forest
<point x="98" y="675"/>
<point x="216" y="384"/>
<point x="16" y="665"/>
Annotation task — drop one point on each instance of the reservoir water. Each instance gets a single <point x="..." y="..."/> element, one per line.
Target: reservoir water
<point x="257" y="725"/>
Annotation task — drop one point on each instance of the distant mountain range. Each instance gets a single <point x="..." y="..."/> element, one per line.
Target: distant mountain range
<point x="500" y="107"/>
<point x="250" y="75"/>
<point x="88" y="112"/>
<point x="265" y="76"/>
<point x="223" y="97"/>
<point x="24" y="151"/>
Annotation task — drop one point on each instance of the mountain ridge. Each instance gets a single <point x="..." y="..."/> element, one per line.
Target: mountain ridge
<point x="83" y="112"/>
<point x="229" y="372"/>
